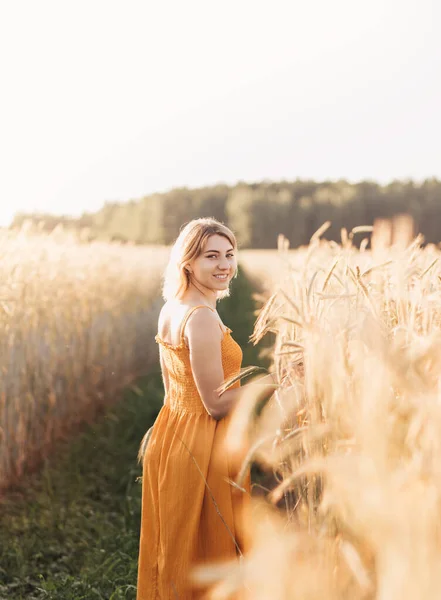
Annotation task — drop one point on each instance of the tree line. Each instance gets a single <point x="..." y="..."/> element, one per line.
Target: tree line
<point x="258" y="212"/>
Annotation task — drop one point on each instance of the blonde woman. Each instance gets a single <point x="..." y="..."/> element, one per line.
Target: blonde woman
<point x="190" y="512"/>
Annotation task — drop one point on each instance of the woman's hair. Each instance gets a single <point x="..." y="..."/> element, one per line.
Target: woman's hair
<point x="189" y="245"/>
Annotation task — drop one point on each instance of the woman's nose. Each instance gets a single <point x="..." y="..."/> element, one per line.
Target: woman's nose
<point x="224" y="265"/>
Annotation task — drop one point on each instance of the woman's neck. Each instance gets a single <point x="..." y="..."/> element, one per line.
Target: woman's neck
<point x="199" y="296"/>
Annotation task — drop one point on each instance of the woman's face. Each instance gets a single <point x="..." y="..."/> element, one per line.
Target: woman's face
<point x="216" y="265"/>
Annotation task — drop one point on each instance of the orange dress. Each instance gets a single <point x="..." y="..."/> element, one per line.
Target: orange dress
<point x="180" y="522"/>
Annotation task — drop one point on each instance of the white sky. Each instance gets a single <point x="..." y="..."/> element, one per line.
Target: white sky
<point x="105" y="100"/>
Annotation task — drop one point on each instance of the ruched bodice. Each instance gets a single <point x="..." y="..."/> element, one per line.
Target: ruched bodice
<point x="183" y="394"/>
<point x="191" y="513"/>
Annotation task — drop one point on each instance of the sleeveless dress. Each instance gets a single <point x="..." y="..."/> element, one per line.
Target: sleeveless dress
<point x="185" y="485"/>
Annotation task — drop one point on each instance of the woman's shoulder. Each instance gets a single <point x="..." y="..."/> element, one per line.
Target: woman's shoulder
<point x="170" y="316"/>
<point x="170" y="312"/>
<point x="174" y="315"/>
<point x="177" y="317"/>
<point x="173" y="309"/>
<point x="202" y="323"/>
<point x="176" y="307"/>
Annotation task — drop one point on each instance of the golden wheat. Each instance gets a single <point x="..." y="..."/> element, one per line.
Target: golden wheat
<point x="353" y="433"/>
<point x="77" y="323"/>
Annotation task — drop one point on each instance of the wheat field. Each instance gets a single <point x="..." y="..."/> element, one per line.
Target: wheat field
<point x="77" y="322"/>
<point x="351" y="437"/>
<point x="352" y="434"/>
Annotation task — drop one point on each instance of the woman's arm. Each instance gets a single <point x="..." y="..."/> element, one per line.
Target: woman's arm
<point x="204" y="339"/>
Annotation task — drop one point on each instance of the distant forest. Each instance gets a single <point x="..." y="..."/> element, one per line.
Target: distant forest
<point x="258" y="212"/>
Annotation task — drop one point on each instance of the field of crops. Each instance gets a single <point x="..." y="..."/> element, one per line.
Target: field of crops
<point x="353" y="434"/>
<point x="351" y="438"/>
<point x="70" y="530"/>
<point x="76" y="325"/>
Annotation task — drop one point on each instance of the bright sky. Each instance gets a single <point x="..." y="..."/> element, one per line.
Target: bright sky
<point x="111" y="100"/>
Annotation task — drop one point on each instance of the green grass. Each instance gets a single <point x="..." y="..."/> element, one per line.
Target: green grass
<point x="72" y="531"/>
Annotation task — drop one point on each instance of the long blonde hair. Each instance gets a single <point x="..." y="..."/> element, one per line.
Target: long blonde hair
<point x="189" y="245"/>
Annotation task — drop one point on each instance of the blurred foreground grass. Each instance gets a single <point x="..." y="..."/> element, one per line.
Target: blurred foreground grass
<point x="352" y="433"/>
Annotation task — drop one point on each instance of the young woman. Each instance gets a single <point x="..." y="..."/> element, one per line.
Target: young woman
<point x="190" y="511"/>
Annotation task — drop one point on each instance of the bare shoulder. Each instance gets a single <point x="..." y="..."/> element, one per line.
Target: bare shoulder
<point x="170" y="317"/>
<point x="203" y="327"/>
<point x="164" y="316"/>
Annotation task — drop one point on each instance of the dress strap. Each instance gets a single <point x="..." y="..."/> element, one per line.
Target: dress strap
<point x="188" y="315"/>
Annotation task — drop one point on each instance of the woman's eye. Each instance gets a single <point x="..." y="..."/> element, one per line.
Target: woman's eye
<point x="214" y="256"/>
